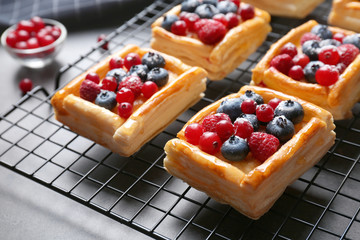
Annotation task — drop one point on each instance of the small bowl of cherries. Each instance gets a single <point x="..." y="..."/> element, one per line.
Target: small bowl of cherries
<point x="34" y="42"/>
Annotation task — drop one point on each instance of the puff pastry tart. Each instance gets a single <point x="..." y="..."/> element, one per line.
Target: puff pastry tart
<point x="287" y="8"/>
<point x="345" y="14"/>
<point x="151" y="114"/>
<point x="250" y="183"/>
<point x="317" y="63"/>
<point x="214" y="42"/>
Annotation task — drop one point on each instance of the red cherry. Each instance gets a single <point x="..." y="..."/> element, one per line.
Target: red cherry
<point x="179" y="27"/>
<point x="33" y="43"/>
<point x="193" y="132"/>
<point x="149" y="88"/>
<point x="329" y="55"/>
<point x="224" y="129"/>
<point x="248" y="106"/>
<point x="274" y="102"/>
<point x="11" y="39"/>
<point x="232" y="19"/>
<point x="125" y="109"/>
<point x="289" y="49"/>
<point x="116" y="62"/>
<point x="109" y="83"/>
<point x="100" y="38"/>
<point x="125" y="95"/>
<point x="131" y="59"/>
<point x="327" y="75"/>
<point x="246" y="11"/>
<point x="25" y="85"/>
<point x="210" y="142"/>
<point x="94" y="77"/>
<point x="243" y="128"/>
<point x="264" y="113"/>
<point x="296" y="72"/>
<point x="301" y="60"/>
<point x="38" y="23"/>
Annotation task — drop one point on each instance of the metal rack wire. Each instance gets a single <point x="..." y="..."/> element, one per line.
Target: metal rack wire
<point x="324" y="203"/>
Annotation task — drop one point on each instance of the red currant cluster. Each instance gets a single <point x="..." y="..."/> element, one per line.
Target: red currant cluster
<point x="33" y="33"/>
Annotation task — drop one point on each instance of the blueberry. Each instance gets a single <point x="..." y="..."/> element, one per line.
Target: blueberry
<point x="281" y="127"/>
<point x="118" y="73"/>
<point x="139" y="70"/>
<point x="292" y="110"/>
<point x="310" y="70"/>
<point x="252" y="119"/>
<point x="322" y="31"/>
<point x="206" y="10"/>
<point x="310" y="48"/>
<point x="329" y="42"/>
<point x="160" y="76"/>
<point x="152" y="59"/>
<point x="190" y="5"/>
<point x="253" y="96"/>
<point x="106" y="99"/>
<point x="353" y="39"/>
<point x="231" y="107"/>
<point x="212" y="2"/>
<point x="235" y="149"/>
<point x="168" y="21"/>
<point x="226" y="7"/>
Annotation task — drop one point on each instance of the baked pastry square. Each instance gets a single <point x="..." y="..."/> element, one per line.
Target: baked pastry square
<point x="218" y="59"/>
<point x="150" y="116"/>
<point x="338" y="98"/>
<point x="345" y="14"/>
<point x="287" y="8"/>
<point x="252" y="187"/>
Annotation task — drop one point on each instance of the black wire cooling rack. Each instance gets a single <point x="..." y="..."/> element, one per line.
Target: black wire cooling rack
<point x="137" y="191"/>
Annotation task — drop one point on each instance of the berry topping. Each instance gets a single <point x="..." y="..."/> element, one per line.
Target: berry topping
<point x="226" y="7"/>
<point x="206" y="10"/>
<point x="118" y="73"/>
<point x="211" y="31"/>
<point x="109" y="83"/>
<point x="339" y="37"/>
<point x="210" y="142"/>
<point x="243" y="128"/>
<point x="106" y="99"/>
<point x="309" y="36"/>
<point x="327" y="75"/>
<point x="292" y="110"/>
<point x="94" y="77"/>
<point x="210" y="121"/>
<point x="252" y="119"/>
<point x="310" y="48"/>
<point x="281" y="127"/>
<point x="139" y="70"/>
<point x="264" y="113"/>
<point x="116" y="62"/>
<point x="189" y="5"/>
<point x="125" y="109"/>
<point x="134" y="83"/>
<point x="246" y="11"/>
<point x="322" y="31"/>
<point x="168" y="21"/>
<point x="301" y="60"/>
<point x="89" y="90"/>
<point x="248" y="106"/>
<point x="152" y="59"/>
<point x="310" y="70"/>
<point x="329" y="55"/>
<point x="224" y="129"/>
<point x="25" y="85"/>
<point x="193" y="133"/>
<point x="296" y="72"/>
<point x="263" y="145"/>
<point x="125" y="95"/>
<point x="252" y="95"/>
<point x="282" y="63"/>
<point x="149" y="88"/>
<point x="274" y="102"/>
<point x="353" y="39"/>
<point x="179" y="27"/>
<point x="231" y="107"/>
<point x="160" y="76"/>
<point x="289" y="49"/>
<point x="235" y="149"/>
<point x="348" y="52"/>
<point x="132" y="59"/>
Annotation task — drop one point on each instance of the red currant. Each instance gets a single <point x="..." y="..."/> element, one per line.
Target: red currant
<point x="125" y="109"/>
<point x="109" y="83"/>
<point x="190" y="19"/>
<point x="339" y="36"/>
<point x="125" y="95"/>
<point x="179" y="28"/>
<point x="301" y="59"/>
<point x="100" y="38"/>
<point x="289" y="49"/>
<point x="296" y="72"/>
<point x="25" y="85"/>
<point x="116" y="62"/>
<point x="149" y="88"/>
<point x="224" y="129"/>
<point x="131" y="59"/>
<point x="243" y="128"/>
<point x="246" y="11"/>
<point x="220" y="17"/>
<point x="232" y="19"/>
<point x="264" y="113"/>
<point x="274" y="102"/>
<point x="210" y="142"/>
<point x="94" y="77"/>
<point x="248" y="106"/>
<point x="193" y="132"/>
<point x="329" y="55"/>
<point x="327" y="75"/>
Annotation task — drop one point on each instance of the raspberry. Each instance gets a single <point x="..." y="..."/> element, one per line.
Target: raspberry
<point x="232" y="19"/>
<point x="220" y="17"/>
<point x="309" y="36"/>
<point x="289" y="49"/>
<point x="209" y="122"/>
<point x="264" y="113"/>
<point x="210" y="142"/>
<point x="89" y="90"/>
<point x="224" y="129"/>
<point x="327" y="75"/>
<point x="263" y="145"/>
<point x="179" y="28"/>
<point x="282" y="63"/>
<point x="211" y="31"/>
<point x="301" y="59"/>
<point x="94" y="77"/>
<point x="296" y="72"/>
<point x="193" y="133"/>
<point x="348" y="53"/>
<point x="329" y="55"/>
<point x="134" y="83"/>
<point x="190" y="19"/>
<point x="246" y="11"/>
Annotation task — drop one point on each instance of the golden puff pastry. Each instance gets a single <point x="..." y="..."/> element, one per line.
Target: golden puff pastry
<point x="219" y="59"/>
<point x="287" y="8"/>
<point x="249" y="186"/>
<point x="125" y="136"/>
<point x="338" y="98"/>
<point x="345" y="14"/>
